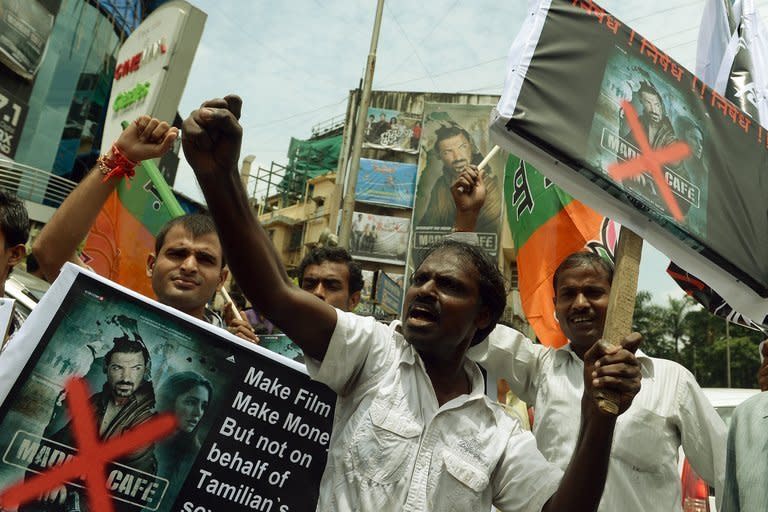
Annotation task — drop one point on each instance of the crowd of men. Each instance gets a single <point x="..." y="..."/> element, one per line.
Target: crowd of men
<point x="413" y="427"/>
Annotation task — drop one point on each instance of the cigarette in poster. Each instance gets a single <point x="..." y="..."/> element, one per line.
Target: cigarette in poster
<point x="231" y="303"/>
<point x="485" y="161"/>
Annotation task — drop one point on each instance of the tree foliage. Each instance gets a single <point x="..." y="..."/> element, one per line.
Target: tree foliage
<point x="685" y="332"/>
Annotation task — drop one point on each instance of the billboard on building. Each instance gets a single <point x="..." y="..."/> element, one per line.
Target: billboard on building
<point x="392" y="129"/>
<point x="454" y="136"/>
<point x="386" y="183"/>
<point x="25" y="26"/>
<point x="389" y="293"/>
<point x="12" y="115"/>
<point x="152" y="67"/>
<point x="379" y="238"/>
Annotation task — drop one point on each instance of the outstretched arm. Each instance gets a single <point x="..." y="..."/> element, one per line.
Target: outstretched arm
<point x="57" y="243"/>
<point x="610" y="368"/>
<point x="211" y="138"/>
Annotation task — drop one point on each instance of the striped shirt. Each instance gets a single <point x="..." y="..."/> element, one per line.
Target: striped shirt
<point x="669" y="411"/>
<point x="746" y="470"/>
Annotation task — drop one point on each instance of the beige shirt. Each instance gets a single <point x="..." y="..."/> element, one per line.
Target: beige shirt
<point x="393" y="448"/>
<point x="669" y="411"/>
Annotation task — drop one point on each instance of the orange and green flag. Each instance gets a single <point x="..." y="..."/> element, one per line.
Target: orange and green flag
<point x="547" y="225"/>
<point x="124" y="232"/>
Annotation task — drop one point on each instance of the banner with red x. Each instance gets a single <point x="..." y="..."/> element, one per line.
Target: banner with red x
<point x="650" y="160"/>
<point x="63" y="448"/>
<point x="93" y="455"/>
<point x="615" y="121"/>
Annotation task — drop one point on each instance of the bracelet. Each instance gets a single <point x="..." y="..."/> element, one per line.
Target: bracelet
<point x="116" y="165"/>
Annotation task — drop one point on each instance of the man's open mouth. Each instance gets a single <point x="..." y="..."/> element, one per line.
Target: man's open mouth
<point x="423" y="313"/>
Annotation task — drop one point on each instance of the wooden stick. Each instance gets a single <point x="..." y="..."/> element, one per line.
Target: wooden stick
<point x="621" y="302"/>
<point x="231" y="303"/>
<point x="484" y="162"/>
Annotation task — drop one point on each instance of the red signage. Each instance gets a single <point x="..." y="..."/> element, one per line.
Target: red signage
<point x="134" y="63"/>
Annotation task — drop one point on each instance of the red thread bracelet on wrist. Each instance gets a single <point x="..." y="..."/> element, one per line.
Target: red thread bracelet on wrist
<point x="116" y="165"/>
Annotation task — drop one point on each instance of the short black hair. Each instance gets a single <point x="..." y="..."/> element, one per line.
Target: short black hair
<point x="491" y="284"/>
<point x="646" y="86"/>
<point x="446" y="132"/>
<point x="582" y="259"/>
<point x="334" y="254"/>
<point x="14" y="219"/>
<point x="196" y="224"/>
<point x="126" y="345"/>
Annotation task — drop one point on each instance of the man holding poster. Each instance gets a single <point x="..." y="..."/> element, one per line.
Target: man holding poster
<point x="413" y="427"/>
<point x="670" y="412"/>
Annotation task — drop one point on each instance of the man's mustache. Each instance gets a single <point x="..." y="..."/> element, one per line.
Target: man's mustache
<point x="462" y="162"/>
<point x="126" y="382"/>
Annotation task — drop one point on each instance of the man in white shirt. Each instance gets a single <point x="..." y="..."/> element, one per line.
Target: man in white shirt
<point x="669" y="411"/>
<point x="413" y="429"/>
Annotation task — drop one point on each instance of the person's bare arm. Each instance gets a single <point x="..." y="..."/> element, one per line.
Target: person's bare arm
<point x="605" y="367"/>
<point x="57" y="243"/>
<point x="211" y="137"/>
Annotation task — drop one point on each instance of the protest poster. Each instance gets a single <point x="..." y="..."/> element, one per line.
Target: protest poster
<point x="454" y="136"/>
<point x="601" y="75"/>
<point x="379" y="238"/>
<point x="389" y="184"/>
<point x="283" y="345"/>
<point x="252" y="427"/>
<point x="25" y="26"/>
<point x="393" y="130"/>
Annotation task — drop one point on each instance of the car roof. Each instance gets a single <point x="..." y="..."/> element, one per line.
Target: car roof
<point x="25" y="288"/>
<point x="728" y="397"/>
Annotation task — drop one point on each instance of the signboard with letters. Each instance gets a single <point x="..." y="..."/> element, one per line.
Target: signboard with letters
<point x="612" y="97"/>
<point x="251" y="426"/>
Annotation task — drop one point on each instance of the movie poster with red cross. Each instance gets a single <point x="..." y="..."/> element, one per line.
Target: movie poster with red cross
<point x="112" y="402"/>
<point x="618" y="124"/>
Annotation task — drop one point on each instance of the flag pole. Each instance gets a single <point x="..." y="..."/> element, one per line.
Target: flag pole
<point x="621" y="302"/>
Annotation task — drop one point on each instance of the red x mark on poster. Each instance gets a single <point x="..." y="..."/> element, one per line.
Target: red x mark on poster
<point x="651" y="160"/>
<point x="93" y="455"/>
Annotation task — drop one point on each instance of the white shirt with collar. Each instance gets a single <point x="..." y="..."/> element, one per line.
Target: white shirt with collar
<point x="393" y="448"/>
<point x="669" y="411"/>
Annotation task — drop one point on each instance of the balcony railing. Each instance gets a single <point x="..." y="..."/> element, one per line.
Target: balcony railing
<point x="34" y="184"/>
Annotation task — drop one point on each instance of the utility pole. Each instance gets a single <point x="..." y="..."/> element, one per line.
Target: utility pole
<point x="348" y="207"/>
<point x="728" y="351"/>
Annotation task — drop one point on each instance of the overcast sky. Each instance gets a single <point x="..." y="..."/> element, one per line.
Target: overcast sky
<point x="294" y="62"/>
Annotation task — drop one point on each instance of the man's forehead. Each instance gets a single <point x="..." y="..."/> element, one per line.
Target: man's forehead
<point x="454" y="140"/>
<point x="179" y="236"/>
<point x="128" y="356"/>
<point x="327" y="270"/>
<point x="449" y="262"/>
<point x="584" y="273"/>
